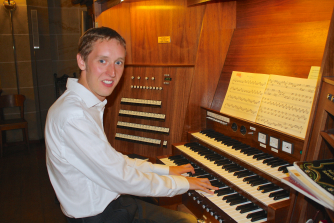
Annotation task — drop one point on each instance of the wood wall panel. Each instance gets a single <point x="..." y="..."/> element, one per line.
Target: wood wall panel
<point x="217" y="31"/>
<point x="288" y="49"/>
<point x="256" y="13"/>
<point x="118" y="18"/>
<point x="152" y="19"/>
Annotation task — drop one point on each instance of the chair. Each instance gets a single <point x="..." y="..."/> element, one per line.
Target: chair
<point x="10" y="101"/>
<point x="60" y="83"/>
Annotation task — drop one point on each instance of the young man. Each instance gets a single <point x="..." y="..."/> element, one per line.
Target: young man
<point x="91" y="179"/>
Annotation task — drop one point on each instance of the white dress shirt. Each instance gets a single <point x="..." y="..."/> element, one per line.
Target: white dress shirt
<point x="86" y="172"/>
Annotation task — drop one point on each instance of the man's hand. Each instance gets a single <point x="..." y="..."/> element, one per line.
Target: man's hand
<point x="178" y="170"/>
<point x="202" y="184"/>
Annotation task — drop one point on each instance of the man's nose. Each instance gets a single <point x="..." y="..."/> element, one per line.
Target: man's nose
<point x="111" y="70"/>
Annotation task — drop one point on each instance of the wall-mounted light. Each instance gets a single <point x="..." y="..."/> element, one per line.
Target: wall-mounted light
<point x="9" y="5"/>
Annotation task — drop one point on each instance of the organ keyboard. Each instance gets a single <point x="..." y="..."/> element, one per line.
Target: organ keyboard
<point x="247" y="173"/>
<point x="237" y="151"/>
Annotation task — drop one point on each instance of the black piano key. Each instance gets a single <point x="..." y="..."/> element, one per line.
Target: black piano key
<point x="215" y="158"/>
<point x="189" y="144"/>
<point x="225" y="191"/>
<point x="258" y="182"/>
<point x="261" y="215"/>
<point x="221" y="189"/>
<point x="254" y="214"/>
<point x="230" y="196"/>
<point x="181" y="162"/>
<point x="238" y="201"/>
<point x="203" y="153"/>
<point x="223" y="162"/>
<point x="218" y="184"/>
<point x="227" y="166"/>
<point x="269" y="160"/>
<point x="245" y="150"/>
<point x="247" y="179"/>
<point x="262" y="156"/>
<point x="231" y="170"/>
<point x="281" y="196"/>
<point x="243" y="173"/>
<point x="281" y="168"/>
<point x="243" y="206"/>
<point x="285" y="170"/>
<point x="266" y="186"/>
<point x="281" y="163"/>
<point x="251" y="153"/>
<point x="231" y="143"/>
<point x="176" y="157"/>
<point x="270" y="189"/>
<point x="252" y="207"/>
<point x="277" y="193"/>
<point x="213" y="154"/>
<point x="240" y="146"/>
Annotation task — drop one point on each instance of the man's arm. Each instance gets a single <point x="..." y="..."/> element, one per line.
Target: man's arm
<point x="86" y="148"/>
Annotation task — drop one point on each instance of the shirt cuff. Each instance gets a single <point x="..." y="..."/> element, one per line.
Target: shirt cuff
<point x="181" y="183"/>
<point x="161" y="169"/>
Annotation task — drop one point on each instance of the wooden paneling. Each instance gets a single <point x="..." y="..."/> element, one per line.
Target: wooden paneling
<point x="256" y="13"/>
<point x="217" y="30"/>
<point x="118" y="18"/>
<point x="279" y="47"/>
<point x="152" y="19"/>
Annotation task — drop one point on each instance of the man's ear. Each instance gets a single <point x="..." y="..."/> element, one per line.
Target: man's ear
<point x="81" y="62"/>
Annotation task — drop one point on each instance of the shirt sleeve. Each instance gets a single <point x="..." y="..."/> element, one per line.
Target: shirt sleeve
<point x="86" y="148"/>
<point x="146" y="167"/>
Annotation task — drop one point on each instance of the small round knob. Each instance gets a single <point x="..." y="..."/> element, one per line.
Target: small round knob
<point x="138" y="78"/>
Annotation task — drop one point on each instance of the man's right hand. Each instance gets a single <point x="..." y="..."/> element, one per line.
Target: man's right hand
<point x="201" y="184"/>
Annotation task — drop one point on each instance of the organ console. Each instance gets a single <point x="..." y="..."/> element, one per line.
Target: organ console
<point x="247" y="171"/>
<point x="168" y="103"/>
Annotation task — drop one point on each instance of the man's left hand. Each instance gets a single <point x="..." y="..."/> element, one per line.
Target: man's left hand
<point x="178" y="170"/>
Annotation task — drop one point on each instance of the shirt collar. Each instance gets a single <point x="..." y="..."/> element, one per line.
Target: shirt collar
<point x="88" y="97"/>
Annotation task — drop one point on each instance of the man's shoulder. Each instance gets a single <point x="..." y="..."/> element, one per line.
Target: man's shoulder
<point x="68" y="105"/>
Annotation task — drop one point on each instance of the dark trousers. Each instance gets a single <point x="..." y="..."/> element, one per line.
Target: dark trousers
<point x="128" y="209"/>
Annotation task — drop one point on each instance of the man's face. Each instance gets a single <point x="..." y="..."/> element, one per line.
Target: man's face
<point x="103" y="68"/>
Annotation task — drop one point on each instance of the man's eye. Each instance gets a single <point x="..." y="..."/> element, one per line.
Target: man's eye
<point x="119" y="62"/>
<point x="102" y="61"/>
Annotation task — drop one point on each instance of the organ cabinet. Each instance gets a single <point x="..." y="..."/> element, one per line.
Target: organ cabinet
<point x="168" y="102"/>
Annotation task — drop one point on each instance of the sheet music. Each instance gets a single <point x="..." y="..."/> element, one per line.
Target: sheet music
<point x="314" y="72"/>
<point x="286" y="104"/>
<point x="244" y="94"/>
